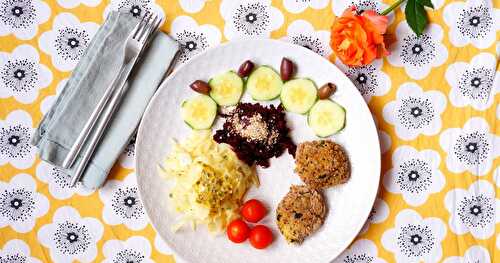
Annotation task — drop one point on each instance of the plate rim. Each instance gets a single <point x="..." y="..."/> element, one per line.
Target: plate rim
<point x="163" y="84"/>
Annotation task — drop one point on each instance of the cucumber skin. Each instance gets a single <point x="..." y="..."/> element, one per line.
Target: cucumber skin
<point x="243" y="89"/>
<point x="316" y="100"/>
<point x="339" y="130"/>
<point x="213" y="120"/>
<point x="253" y="71"/>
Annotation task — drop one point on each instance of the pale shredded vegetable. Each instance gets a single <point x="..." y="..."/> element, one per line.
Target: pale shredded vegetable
<point x="209" y="182"/>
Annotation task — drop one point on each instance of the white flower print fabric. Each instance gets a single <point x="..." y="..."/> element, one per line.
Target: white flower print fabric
<point x="71" y="237"/>
<point x="302" y="33"/>
<point x="76" y="3"/>
<point x="48" y="101"/>
<point x="414" y="174"/>
<point x="248" y="19"/>
<point x="59" y="182"/>
<point x="136" y="8"/>
<point x="418" y="54"/>
<point x="297" y="6"/>
<point x="193" y="38"/>
<point x="415" y="112"/>
<point x="21" y="204"/>
<point x="415" y="239"/>
<point x="472" y="22"/>
<point x="17" y="251"/>
<point x="379" y="214"/>
<point x="339" y="6"/>
<point x="475" y="83"/>
<point x="122" y="204"/>
<point x="475" y="210"/>
<point x="369" y="79"/>
<point x="434" y="101"/>
<point x="22" y="75"/>
<point x="471" y="148"/>
<point x="67" y="40"/>
<point x="362" y="250"/>
<point x="473" y="254"/>
<point x="22" y="17"/>
<point x="192" y="6"/>
<point x="15" y="136"/>
<point x="127" y="158"/>
<point x="135" y="249"/>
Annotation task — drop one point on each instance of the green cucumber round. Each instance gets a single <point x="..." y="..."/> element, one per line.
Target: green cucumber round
<point x="264" y="84"/>
<point x="226" y="88"/>
<point x="326" y="118"/>
<point x="199" y="112"/>
<point x="299" y="95"/>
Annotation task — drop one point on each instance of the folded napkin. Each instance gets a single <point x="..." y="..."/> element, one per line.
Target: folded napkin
<point x="94" y="73"/>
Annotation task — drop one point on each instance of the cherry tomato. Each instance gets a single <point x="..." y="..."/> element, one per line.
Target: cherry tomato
<point x="238" y="231"/>
<point x="253" y="211"/>
<point x="261" y="237"/>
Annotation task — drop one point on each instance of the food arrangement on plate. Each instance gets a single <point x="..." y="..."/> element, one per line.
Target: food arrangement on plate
<point x="213" y="172"/>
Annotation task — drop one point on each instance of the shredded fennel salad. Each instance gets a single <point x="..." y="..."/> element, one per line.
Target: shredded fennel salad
<point x="209" y="182"/>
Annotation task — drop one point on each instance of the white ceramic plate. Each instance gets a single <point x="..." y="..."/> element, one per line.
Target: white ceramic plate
<point x="349" y="204"/>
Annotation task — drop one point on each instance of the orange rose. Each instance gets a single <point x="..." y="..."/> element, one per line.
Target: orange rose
<point x="357" y="39"/>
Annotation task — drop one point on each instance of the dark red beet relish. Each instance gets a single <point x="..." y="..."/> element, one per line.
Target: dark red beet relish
<point x="252" y="151"/>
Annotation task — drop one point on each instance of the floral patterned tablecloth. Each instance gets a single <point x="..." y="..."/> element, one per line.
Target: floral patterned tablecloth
<point x="434" y="100"/>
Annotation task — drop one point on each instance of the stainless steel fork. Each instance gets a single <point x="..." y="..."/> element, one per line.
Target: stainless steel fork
<point x="119" y="89"/>
<point x="133" y="46"/>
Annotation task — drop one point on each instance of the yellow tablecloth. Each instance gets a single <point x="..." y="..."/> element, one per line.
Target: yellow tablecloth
<point x="435" y="101"/>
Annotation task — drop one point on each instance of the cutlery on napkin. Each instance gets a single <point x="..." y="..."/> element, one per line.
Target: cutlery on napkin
<point x="61" y="126"/>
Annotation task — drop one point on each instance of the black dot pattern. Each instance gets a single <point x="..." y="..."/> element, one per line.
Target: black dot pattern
<point x="191" y="43"/>
<point x="72" y="238"/>
<point x="60" y="178"/>
<point x="358" y="258"/>
<point x="476" y="83"/>
<point x="414" y="176"/>
<point x="130" y="149"/>
<point x="418" y="50"/>
<point x="309" y="42"/>
<point x="14" y="141"/>
<point x="363" y="5"/>
<point x="17" y="204"/>
<point x="415" y="240"/>
<point x="18" y="13"/>
<point x="136" y="8"/>
<point x="19" y="75"/>
<point x="415" y="113"/>
<point x="476" y="211"/>
<point x="475" y="22"/>
<point x="128" y="256"/>
<point x="70" y="43"/>
<point x="472" y="148"/>
<point x="251" y="19"/>
<point x="364" y="78"/>
<point x="13" y="258"/>
<point x="126" y="203"/>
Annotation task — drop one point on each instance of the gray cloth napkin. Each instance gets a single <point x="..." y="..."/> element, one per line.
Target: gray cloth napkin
<point x="94" y="73"/>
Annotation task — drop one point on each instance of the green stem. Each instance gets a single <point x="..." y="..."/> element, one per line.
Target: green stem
<point x="392" y="7"/>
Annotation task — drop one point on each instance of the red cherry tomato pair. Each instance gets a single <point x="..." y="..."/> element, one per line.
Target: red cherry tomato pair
<point x="238" y="231"/>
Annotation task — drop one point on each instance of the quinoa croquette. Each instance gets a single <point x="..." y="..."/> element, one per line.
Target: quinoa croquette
<point x="301" y="212"/>
<point x="322" y="164"/>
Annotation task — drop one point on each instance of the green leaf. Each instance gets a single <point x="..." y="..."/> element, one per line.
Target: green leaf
<point x="427" y="3"/>
<point x="416" y="17"/>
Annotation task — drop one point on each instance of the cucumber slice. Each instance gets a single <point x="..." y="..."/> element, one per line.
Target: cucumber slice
<point x="199" y="112"/>
<point x="326" y="118"/>
<point x="264" y="84"/>
<point x="299" y="95"/>
<point x="226" y="88"/>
